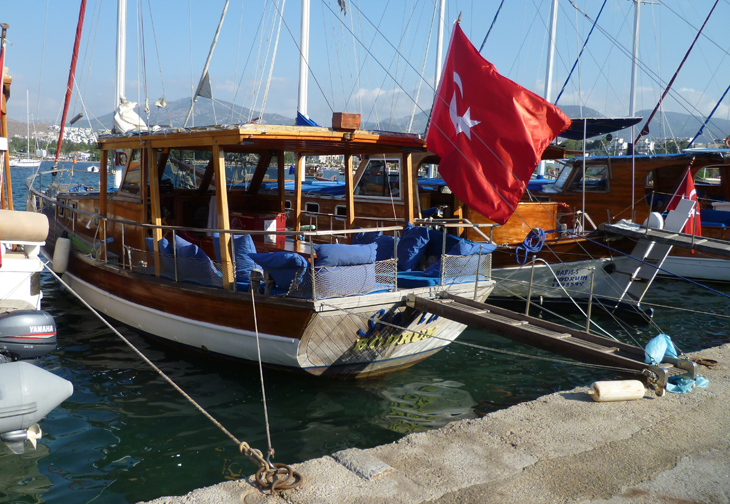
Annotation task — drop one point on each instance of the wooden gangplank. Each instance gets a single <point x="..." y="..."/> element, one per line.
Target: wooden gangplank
<point x="699" y="243"/>
<point x="549" y="336"/>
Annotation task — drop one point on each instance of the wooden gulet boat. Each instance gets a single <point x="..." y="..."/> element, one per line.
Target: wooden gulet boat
<point x="610" y="187"/>
<point x="347" y="320"/>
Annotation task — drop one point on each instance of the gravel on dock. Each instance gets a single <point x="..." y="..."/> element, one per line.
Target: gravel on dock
<point x="563" y="447"/>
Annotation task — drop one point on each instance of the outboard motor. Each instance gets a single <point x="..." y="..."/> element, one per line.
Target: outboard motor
<point x="27" y="392"/>
<point x="26" y="335"/>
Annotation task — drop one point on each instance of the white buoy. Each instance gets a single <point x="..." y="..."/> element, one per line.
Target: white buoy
<point x="621" y="390"/>
<point x="61" y="254"/>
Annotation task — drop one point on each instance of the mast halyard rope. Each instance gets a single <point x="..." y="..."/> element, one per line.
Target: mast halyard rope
<point x="204" y="76"/>
<point x="273" y="59"/>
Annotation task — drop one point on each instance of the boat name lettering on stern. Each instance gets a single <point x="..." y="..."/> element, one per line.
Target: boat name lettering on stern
<point x="570" y="278"/>
<point x="382" y="341"/>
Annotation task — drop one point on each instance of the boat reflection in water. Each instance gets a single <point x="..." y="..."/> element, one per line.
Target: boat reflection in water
<point x="20" y="478"/>
<point x="425" y="405"/>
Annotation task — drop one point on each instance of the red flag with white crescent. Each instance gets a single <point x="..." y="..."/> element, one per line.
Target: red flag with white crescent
<point x="489" y="131"/>
<point x="686" y="190"/>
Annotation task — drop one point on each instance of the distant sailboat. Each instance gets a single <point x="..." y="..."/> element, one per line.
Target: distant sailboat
<point x="26" y="162"/>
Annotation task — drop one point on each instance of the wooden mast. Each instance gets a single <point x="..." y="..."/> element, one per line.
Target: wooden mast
<point x="221" y="199"/>
<point x="297" y="203"/>
<point x="349" y="192"/>
<point x="103" y="198"/>
<point x="154" y="205"/>
<point x="407" y="186"/>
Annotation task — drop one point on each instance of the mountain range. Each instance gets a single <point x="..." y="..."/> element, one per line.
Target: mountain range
<point x="676" y="124"/>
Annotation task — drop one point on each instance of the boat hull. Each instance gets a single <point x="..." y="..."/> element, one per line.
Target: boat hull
<point x="342" y="338"/>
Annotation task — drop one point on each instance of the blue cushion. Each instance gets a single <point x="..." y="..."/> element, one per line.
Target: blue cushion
<point x="386" y="248"/>
<point x="411" y="246"/>
<point x="339" y="281"/>
<point x="413" y="279"/>
<point x="466" y="247"/>
<point x="464" y="265"/>
<point x="243" y="245"/>
<point x="163" y="246"/>
<point x="193" y="265"/>
<point x="284" y="267"/>
<point x="436" y="240"/>
<point x="366" y="237"/>
<point x="345" y="255"/>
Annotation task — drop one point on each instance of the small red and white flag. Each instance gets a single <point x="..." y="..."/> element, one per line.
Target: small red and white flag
<point x="686" y="190"/>
<point x="489" y="131"/>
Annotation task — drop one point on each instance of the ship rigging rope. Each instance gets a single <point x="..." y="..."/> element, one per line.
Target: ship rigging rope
<point x="486" y="348"/>
<point x="273" y="59"/>
<point x="159" y="62"/>
<point x="267" y="475"/>
<point x="407" y="94"/>
<point x="714" y="291"/>
<point x="299" y="49"/>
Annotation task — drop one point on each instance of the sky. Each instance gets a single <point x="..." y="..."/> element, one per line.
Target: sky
<point x="377" y="59"/>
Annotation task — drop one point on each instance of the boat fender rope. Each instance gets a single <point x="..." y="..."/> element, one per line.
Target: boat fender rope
<point x="532" y="244"/>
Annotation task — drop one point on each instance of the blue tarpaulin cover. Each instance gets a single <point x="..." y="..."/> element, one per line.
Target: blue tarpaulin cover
<point x="656" y="350"/>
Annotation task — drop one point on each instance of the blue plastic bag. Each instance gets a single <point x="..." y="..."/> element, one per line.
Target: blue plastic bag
<point x="659" y="347"/>
<point x="681" y="385"/>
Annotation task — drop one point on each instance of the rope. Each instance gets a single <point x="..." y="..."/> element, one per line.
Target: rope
<point x="532" y="244"/>
<point x="492" y="25"/>
<point x="585" y="43"/>
<point x="273" y="60"/>
<point x="253" y="454"/>
<point x="661" y="269"/>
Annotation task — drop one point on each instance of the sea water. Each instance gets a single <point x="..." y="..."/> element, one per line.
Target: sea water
<point x="126" y="435"/>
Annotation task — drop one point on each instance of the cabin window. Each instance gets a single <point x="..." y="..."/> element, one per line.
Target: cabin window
<point x="380" y="178"/>
<point x="596" y="179"/>
<point x="311" y="207"/>
<point x="341" y="211"/>
<point x="61" y="210"/>
<point x="649" y="179"/>
<point x="562" y="178"/>
<point x="287" y="204"/>
<point x="133" y="174"/>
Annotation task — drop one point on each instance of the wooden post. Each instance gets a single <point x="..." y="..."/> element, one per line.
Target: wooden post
<point x="260" y="173"/>
<point x="281" y="177"/>
<point x="297" y="203"/>
<point x="7" y="196"/>
<point x="103" y="200"/>
<point x="350" y="192"/>
<point x="221" y="198"/>
<point x="406" y="183"/>
<point x="155" y="216"/>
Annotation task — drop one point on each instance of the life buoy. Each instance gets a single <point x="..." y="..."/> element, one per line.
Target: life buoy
<point x="727" y="142"/>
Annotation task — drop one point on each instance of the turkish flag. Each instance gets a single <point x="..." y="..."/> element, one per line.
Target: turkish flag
<point x="686" y="190"/>
<point x="489" y="131"/>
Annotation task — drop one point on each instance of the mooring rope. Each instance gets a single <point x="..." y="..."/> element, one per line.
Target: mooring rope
<point x="266" y="476"/>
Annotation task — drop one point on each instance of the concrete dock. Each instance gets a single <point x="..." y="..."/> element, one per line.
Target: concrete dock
<point x="560" y="448"/>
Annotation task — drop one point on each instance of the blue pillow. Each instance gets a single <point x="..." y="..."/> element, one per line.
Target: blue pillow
<point x="366" y="237"/>
<point x="465" y="266"/>
<point x="243" y="245"/>
<point x="345" y="255"/>
<point x="163" y="245"/>
<point x="386" y="248"/>
<point x="466" y="247"/>
<point x="436" y="240"/>
<point x="284" y="267"/>
<point x="411" y="246"/>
